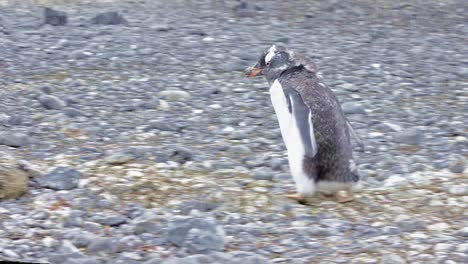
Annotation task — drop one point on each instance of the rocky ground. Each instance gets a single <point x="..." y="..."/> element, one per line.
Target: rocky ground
<point x="144" y="142"/>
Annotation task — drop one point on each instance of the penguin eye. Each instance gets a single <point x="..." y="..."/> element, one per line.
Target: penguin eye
<point x="268" y="64"/>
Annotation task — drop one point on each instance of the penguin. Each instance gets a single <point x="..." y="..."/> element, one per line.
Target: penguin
<point x="312" y="124"/>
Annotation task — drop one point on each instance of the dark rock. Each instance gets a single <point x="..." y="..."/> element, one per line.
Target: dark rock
<point x="51" y="102"/>
<point x="109" y="18"/>
<point x="54" y="17"/>
<point x="113" y="220"/>
<point x="61" y="178"/>
<point x="181" y="155"/>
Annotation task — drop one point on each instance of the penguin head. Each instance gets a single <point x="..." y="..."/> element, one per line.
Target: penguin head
<point x="278" y="59"/>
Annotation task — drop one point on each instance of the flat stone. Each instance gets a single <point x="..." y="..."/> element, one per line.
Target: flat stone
<point x="460" y="190"/>
<point x="411" y="136"/>
<point x="61" y="178"/>
<point x="51" y="102"/>
<point x="174" y="95"/>
<point x="353" y="108"/>
<point x="439" y="227"/>
<point x="14" y="139"/>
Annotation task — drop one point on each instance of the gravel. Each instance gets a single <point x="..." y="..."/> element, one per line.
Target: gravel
<point x="129" y="136"/>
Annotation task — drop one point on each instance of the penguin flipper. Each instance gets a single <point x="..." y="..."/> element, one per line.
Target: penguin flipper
<point x="302" y="120"/>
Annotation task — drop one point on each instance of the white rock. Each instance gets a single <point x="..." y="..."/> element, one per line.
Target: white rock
<point x="395" y="181"/>
<point x="174" y="95"/>
<point x="462" y="248"/>
<point x="443" y="247"/>
<point x="461" y="190"/>
<point x="439" y="227"/>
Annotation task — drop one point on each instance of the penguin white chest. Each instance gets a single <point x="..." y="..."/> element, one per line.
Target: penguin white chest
<point x="292" y="139"/>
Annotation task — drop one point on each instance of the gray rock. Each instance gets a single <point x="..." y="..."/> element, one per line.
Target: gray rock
<point x="463" y="232"/>
<point x="119" y="157"/>
<point x="145" y="227"/>
<point x="109" y="18"/>
<point x="14" y="139"/>
<point x="61" y="178"/>
<point x="174" y="95"/>
<point x="84" y="260"/>
<point x="353" y="108"/>
<point x="72" y="112"/>
<point x="411" y="136"/>
<point x="112" y="220"/>
<point x="51" y="102"/>
<point x="187" y="207"/>
<point x="179" y="229"/>
<point x="103" y="245"/>
<point x="54" y="17"/>
<point x="262" y="174"/>
<point x="57" y="258"/>
<point x="393" y="259"/>
<point x="202" y="241"/>
<point x="181" y="154"/>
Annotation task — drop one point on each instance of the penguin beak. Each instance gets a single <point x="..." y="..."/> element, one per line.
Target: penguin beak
<point x="254" y="72"/>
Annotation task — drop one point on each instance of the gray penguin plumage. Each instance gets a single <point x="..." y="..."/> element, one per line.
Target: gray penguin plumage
<point x="322" y="130"/>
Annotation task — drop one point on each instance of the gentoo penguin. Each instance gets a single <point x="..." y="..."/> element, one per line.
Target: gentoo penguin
<point x="312" y="124"/>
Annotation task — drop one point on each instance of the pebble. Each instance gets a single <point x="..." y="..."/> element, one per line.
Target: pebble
<point x="54" y="17"/>
<point x="51" y="102"/>
<point x="174" y="95"/>
<point x="61" y="178"/>
<point x="411" y="136"/>
<point x="14" y="139"/>
<point x="109" y="18"/>
<point x="353" y="108"/>
<point x="439" y="227"/>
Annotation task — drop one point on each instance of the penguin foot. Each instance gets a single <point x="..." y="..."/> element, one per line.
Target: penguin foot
<point x="297" y="197"/>
<point x="344" y="196"/>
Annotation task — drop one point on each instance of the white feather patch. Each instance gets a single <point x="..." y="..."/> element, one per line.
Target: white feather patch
<point x="292" y="139"/>
<point x="271" y="54"/>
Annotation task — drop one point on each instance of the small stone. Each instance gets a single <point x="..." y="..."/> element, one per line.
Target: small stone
<point x="105" y="245"/>
<point x="201" y="241"/>
<point x="179" y="229"/>
<point x="109" y="18"/>
<point x="393" y="259"/>
<point x="349" y="87"/>
<point x="72" y="112"/>
<point x="51" y="102"/>
<point x="54" y="17"/>
<point x="61" y="178"/>
<point x="443" y="247"/>
<point x="145" y="227"/>
<point x="463" y="248"/>
<point x="463" y="232"/>
<point x="392" y="126"/>
<point x="14" y="139"/>
<point x="113" y="220"/>
<point x="174" y="95"/>
<point x="411" y="136"/>
<point x="84" y="260"/>
<point x="460" y="190"/>
<point x="119" y="157"/>
<point x="395" y="181"/>
<point x="13" y="182"/>
<point x="262" y="174"/>
<point x="353" y="108"/>
<point x="439" y="227"/>
<point x="187" y="207"/>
